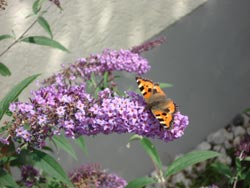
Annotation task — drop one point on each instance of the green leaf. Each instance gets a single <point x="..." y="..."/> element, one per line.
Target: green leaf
<point x="2" y="37"/>
<point x="49" y="165"/>
<point x="165" y="85"/>
<point x="29" y="15"/>
<point x="246" y="158"/>
<point x="64" y="144"/>
<point x="44" y="41"/>
<point x="222" y="169"/>
<point x="14" y="93"/>
<point x="93" y="79"/>
<point x="247" y="110"/>
<point x="4" y="128"/>
<point x="45" y="25"/>
<point x="247" y="178"/>
<point x="149" y="148"/>
<point x="238" y="163"/>
<point x="36" y="7"/>
<point x="151" y="151"/>
<point x="140" y="182"/>
<point x="135" y="137"/>
<point x="6" y="180"/>
<point x="4" y="70"/>
<point x="105" y="79"/>
<point x="81" y="143"/>
<point x="188" y="160"/>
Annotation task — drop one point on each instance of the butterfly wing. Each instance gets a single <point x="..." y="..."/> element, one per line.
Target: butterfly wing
<point x="146" y="87"/>
<point x="164" y="118"/>
<point x="164" y="113"/>
<point x="156" y="100"/>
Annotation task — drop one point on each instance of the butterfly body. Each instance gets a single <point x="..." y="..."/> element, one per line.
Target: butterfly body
<point x="162" y="107"/>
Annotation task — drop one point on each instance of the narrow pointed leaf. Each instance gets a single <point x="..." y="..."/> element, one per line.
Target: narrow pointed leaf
<point x="135" y="137"/>
<point x="149" y="148"/>
<point x="81" y="143"/>
<point x="2" y="37"/>
<point x="64" y="144"/>
<point x="30" y="15"/>
<point x="140" y="182"/>
<point x="4" y="70"/>
<point x="247" y="110"/>
<point x="45" y="25"/>
<point x="49" y="165"/>
<point x="6" y="180"/>
<point x="36" y="6"/>
<point x="222" y="169"/>
<point x="188" y="160"/>
<point x="14" y="93"/>
<point x="105" y="79"/>
<point x="93" y="79"/>
<point x="151" y="151"/>
<point x="44" y="41"/>
<point x="165" y="85"/>
<point x="247" y="178"/>
<point x="246" y="158"/>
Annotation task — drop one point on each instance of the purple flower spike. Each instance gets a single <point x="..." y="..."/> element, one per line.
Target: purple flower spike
<point x="98" y="64"/>
<point x="243" y="149"/>
<point x="91" y="175"/>
<point x="63" y="103"/>
<point x="77" y="114"/>
<point x="30" y="176"/>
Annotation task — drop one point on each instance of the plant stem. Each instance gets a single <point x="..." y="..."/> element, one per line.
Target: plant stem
<point x="160" y="177"/>
<point x="18" y="39"/>
<point x="22" y="35"/>
<point x="235" y="182"/>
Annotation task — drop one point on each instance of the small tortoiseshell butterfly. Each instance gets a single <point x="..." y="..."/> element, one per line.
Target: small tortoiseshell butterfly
<point x="162" y="107"/>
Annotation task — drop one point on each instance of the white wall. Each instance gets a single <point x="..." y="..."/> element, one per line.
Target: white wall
<point x="84" y="27"/>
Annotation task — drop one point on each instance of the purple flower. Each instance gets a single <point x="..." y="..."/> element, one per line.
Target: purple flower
<point x="57" y="3"/>
<point x="24" y="134"/>
<point x="60" y="110"/>
<point x="42" y="119"/>
<point x="63" y="103"/>
<point x="213" y="186"/>
<point x="91" y="175"/>
<point x="83" y="115"/>
<point x="243" y="150"/>
<point x="30" y="176"/>
<point x="4" y="141"/>
<point x="12" y="107"/>
<point x="98" y="64"/>
<point x="148" y="45"/>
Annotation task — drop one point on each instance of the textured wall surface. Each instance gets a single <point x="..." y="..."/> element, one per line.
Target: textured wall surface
<point x="87" y="27"/>
<point x="84" y="27"/>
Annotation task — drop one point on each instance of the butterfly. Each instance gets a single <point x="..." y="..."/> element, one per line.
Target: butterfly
<point x="162" y="107"/>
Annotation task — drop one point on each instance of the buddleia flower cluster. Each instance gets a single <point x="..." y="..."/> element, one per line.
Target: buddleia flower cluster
<point x="63" y="103"/>
<point x="97" y="64"/>
<point x="243" y="149"/>
<point x="91" y="175"/>
<point x="30" y="176"/>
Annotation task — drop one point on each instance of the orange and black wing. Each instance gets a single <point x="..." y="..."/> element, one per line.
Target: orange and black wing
<point x="165" y="114"/>
<point x="146" y="87"/>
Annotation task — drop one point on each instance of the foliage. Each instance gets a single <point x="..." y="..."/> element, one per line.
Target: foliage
<point x="37" y="16"/>
<point x="233" y="175"/>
